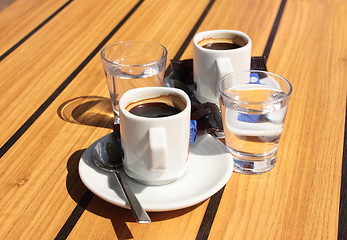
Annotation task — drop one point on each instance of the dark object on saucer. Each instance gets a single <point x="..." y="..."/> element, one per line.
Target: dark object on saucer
<point x="182" y="70"/>
<point x="208" y="118"/>
<point x="258" y="63"/>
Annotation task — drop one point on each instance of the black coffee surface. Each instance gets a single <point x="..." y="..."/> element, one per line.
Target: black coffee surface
<point x="154" y="110"/>
<point x="221" y="46"/>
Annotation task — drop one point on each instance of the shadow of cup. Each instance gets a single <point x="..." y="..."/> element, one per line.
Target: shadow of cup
<point x="88" y="110"/>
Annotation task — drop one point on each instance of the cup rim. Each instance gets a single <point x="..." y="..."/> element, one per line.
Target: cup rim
<point x="282" y="98"/>
<point x="152" y="92"/>
<point x="163" y="58"/>
<point x="220" y="31"/>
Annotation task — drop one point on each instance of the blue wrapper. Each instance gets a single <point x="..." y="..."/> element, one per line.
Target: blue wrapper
<point x="254" y="79"/>
<point x="193" y="131"/>
<point x="251" y="118"/>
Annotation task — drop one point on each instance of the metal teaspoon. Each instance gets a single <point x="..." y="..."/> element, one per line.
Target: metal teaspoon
<point x="108" y="157"/>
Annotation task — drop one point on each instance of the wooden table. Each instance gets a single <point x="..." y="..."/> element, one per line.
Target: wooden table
<point x="55" y="103"/>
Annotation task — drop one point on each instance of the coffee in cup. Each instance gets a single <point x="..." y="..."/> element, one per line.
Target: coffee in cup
<point x="162" y="106"/>
<point x="222" y="43"/>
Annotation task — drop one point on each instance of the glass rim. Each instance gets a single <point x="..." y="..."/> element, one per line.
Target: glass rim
<point x="282" y="98"/>
<point x="132" y="42"/>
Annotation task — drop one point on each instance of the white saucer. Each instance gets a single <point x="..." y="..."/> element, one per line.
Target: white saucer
<point x="211" y="166"/>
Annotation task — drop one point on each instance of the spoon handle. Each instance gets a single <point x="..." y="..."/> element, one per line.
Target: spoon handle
<point x="140" y="214"/>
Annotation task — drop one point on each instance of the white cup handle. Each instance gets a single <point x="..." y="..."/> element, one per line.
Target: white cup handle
<point x="224" y="67"/>
<point x="158" y="149"/>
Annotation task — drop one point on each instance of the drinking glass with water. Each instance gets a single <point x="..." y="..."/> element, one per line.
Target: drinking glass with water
<point x="253" y="106"/>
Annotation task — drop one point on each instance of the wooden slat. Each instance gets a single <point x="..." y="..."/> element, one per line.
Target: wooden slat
<point x="299" y="198"/>
<point x="44" y="172"/>
<point x="21" y="17"/>
<point x="36" y="69"/>
<point x="51" y="148"/>
<point x="37" y="175"/>
<point x="39" y="179"/>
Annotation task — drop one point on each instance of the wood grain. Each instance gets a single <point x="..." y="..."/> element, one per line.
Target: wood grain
<point x="44" y="61"/>
<point x="41" y="156"/>
<point x="46" y="172"/>
<point x="299" y="198"/>
<point x="39" y="179"/>
<point x="21" y="17"/>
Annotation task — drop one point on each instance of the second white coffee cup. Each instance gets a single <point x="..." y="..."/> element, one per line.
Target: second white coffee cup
<point x="155" y="148"/>
<point x="210" y="65"/>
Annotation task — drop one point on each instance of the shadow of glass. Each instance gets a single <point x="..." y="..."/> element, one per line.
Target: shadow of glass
<point x="88" y="110"/>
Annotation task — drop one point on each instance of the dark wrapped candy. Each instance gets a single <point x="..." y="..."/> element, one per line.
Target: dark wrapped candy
<point x="182" y="70"/>
<point x="258" y="63"/>
<point x="208" y="118"/>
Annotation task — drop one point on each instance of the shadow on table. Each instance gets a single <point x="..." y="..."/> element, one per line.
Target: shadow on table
<point x="88" y="110"/>
<point x="92" y="203"/>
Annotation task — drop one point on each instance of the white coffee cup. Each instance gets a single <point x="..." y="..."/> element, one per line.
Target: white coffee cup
<point x="155" y="149"/>
<point x="211" y="65"/>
